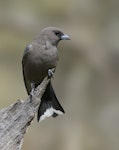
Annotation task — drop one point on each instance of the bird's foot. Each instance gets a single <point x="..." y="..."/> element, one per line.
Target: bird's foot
<point x="51" y="72"/>
<point x="32" y="91"/>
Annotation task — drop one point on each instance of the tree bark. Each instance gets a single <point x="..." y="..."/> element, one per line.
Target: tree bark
<point x="16" y="118"/>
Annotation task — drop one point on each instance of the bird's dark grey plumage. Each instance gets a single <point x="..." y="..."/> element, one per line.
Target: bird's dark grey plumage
<point x="40" y="56"/>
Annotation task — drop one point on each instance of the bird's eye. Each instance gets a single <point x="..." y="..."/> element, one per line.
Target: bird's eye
<point x="57" y="33"/>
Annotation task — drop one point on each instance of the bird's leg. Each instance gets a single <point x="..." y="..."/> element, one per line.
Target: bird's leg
<point x="51" y="72"/>
<point x="32" y="91"/>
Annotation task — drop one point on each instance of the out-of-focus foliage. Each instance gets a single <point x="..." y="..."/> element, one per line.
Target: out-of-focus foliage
<point x="87" y="76"/>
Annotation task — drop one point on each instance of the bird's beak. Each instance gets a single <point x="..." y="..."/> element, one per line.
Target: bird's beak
<point x="65" y="37"/>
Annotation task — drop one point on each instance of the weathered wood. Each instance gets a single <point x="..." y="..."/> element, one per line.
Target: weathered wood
<point x="16" y="118"/>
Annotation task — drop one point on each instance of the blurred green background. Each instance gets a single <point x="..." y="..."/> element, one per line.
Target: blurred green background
<point x="87" y="77"/>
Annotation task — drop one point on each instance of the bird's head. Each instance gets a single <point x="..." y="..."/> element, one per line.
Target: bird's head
<point x="53" y="35"/>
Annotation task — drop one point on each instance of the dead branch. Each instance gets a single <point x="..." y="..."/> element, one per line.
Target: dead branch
<point x="16" y="118"/>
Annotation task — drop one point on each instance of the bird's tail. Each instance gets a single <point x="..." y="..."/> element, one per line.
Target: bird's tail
<point x="49" y="105"/>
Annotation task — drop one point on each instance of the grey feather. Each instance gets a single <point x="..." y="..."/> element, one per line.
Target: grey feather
<point x="40" y="56"/>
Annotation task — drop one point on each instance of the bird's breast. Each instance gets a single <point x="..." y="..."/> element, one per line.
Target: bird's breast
<point x="38" y="63"/>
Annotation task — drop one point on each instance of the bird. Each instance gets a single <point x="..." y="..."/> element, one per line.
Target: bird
<point x="39" y="57"/>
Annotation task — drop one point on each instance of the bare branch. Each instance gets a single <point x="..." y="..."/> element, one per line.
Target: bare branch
<point x="16" y="118"/>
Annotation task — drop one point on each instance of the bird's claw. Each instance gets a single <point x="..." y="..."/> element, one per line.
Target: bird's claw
<point x="31" y="95"/>
<point x="32" y="91"/>
<point x="51" y="72"/>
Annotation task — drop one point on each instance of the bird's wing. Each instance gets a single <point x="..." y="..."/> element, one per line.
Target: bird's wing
<point x="26" y="82"/>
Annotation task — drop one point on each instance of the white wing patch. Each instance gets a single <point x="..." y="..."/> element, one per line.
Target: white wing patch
<point x="49" y="112"/>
